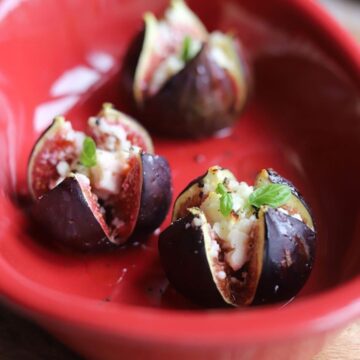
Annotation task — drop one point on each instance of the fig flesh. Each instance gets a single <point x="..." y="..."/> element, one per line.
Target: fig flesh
<point x="57" y="151"/>
<point x="113" y="130"/>
<point x="191" y="95"/>
<point x="59" y="144"/>
<point x="258" y="255"/>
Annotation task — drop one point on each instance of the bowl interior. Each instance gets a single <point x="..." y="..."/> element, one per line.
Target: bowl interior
<point x="303" y="120"/>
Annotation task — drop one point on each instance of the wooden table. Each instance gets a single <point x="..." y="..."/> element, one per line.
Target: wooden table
<point x="345" y="347"/>
<point x="22" y="340"/>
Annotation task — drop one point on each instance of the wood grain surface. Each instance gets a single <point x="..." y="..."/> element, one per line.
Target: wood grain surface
<point x="345" y="347"/>
<point x="20" y="339"/>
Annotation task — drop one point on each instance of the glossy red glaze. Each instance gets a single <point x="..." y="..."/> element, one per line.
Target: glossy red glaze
<point x="303" y="120"/>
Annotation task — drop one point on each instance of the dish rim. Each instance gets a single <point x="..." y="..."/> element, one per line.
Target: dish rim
<point x="316" y="313"/>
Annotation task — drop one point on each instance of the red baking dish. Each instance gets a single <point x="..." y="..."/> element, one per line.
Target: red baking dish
<point x="303" y="120"/>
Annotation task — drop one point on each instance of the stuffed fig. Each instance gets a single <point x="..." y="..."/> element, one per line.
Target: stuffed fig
<point x="231" y="244"/>
<point x="112" y="184"/>
<point x="186" y="82"/>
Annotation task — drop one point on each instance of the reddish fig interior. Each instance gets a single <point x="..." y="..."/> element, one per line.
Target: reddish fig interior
<point x="303" y="120"/>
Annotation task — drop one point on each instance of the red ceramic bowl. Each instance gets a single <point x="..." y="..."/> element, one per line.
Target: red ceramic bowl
<point x="303" y="120"/>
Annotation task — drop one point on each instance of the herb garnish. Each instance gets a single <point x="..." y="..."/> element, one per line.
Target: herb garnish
<point x="273" y="195"/>
<point x="186" y="49"/>
<point x="88" y="154"/>
<point x="226" y="203"/>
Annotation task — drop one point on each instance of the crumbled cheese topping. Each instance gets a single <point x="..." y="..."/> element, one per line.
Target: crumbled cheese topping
<point x="237" y="239"/>
<point x="76" y="137"/>
<point x="221" y="275"/>
<point x="106" y="174"/>
<point x="197" y="222"/>
<point x="63" y="158"/>
<point x="215" y="249"/>
<point x="114" y="136"/>
<point x="240" y="194"/>
<point x="234" y="230"/>
<point x="63" y="168"/>
<point x="214" y="176"/>
<point x="171" y="31"/>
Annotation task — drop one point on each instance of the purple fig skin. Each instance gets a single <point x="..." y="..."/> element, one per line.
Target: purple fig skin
<point x="194" y="103"/>
<point x="156" y="192"/>
<point x="183" y="256"/>
<point x="296" y="201"/>
<point x="288" y="257"/>
<point x="65" y="213"/>
<point x="281" y="259"/>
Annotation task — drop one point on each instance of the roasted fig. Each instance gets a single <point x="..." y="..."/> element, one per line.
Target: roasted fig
<point x="187" y="82"/>
<point x="127" y="191"/>
<point x="233" y="244"/>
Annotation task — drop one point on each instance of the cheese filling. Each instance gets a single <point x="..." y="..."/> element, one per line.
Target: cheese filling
<point x="172" y="63"/>
<point x="164" y="41"/>
<point x="106" y="176"/>
<point x="64" y="158"/>
<point x="232" y="232"/>
<point x="111" y="136"/>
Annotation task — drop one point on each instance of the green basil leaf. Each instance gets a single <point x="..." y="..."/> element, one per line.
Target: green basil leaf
<point x="273" y="195"/>
<point x="226" y="203"/>
<point x="221" y="189"/>
<point x="88" y="154"/>
<point x="186" y="49"/>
